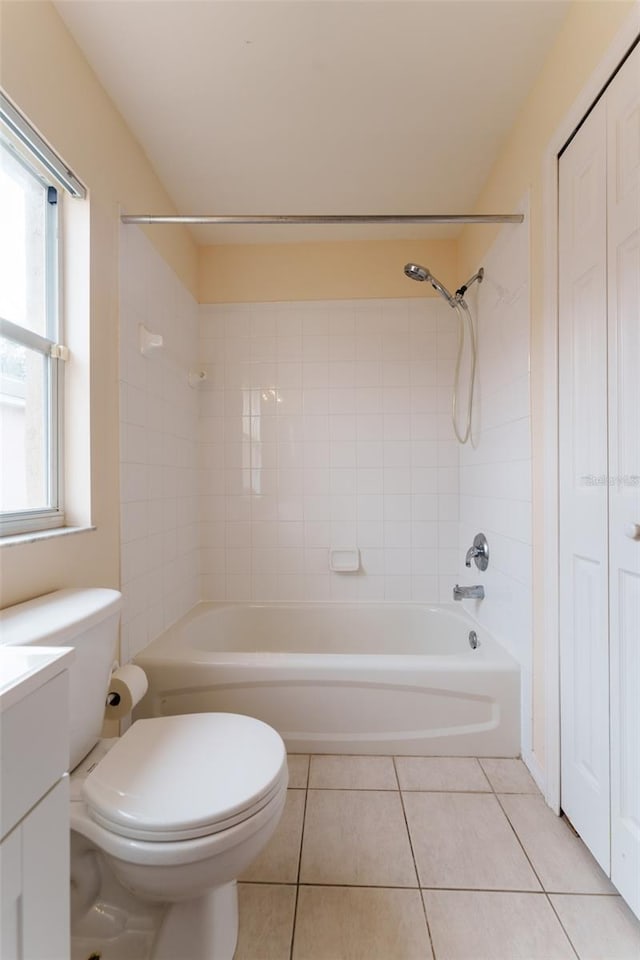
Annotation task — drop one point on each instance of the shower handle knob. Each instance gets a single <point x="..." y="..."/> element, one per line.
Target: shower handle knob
<point x="633" y="531"/>
<point x="479" y="552"/>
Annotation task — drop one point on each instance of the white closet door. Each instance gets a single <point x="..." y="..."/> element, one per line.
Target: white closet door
<point x="623" y="122"/>
<point x="584" y="620"/>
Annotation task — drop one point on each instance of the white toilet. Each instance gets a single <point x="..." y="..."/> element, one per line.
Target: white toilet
<point x="178" y="806"/>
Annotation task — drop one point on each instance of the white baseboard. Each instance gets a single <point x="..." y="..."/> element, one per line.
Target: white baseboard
<point x="535" y="769"/>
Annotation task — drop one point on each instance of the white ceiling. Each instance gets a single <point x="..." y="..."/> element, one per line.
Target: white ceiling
<point x="317" y="106"/>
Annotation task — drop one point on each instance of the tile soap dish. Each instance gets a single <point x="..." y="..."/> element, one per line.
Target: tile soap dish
<point x="344" y="561"/>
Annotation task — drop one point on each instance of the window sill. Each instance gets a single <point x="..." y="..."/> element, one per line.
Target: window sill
<point x="13" y="540"/>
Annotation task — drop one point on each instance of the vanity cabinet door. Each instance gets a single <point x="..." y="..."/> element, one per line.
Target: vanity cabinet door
<point x="11" y="896"/>
<point x="34" y="871"/>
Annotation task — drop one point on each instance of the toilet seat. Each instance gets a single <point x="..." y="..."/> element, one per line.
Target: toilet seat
<point x="183" y="777"/>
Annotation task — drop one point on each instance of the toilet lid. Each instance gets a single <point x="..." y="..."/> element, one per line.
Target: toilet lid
<point x="177" y="778"/>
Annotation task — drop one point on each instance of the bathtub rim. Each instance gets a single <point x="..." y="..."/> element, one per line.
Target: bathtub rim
<point x="171" y="645"/>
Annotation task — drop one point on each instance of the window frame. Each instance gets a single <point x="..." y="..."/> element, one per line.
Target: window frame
<point x="32" y="520"/>
<point x="36" y="156"/>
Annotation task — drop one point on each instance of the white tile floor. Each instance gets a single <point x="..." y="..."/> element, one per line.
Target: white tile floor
<point x="411" y="858"/>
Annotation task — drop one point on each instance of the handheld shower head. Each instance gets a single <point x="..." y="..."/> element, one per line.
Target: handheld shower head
<point x="414" y="271"/>
<point x="417" y="272"/>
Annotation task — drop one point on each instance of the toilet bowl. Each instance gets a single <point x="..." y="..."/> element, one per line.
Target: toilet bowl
<point x="179" y="807"/>
<point x="164" y="818"/>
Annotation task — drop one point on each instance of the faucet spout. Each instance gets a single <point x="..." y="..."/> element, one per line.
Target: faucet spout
<point x="476" y="592"/>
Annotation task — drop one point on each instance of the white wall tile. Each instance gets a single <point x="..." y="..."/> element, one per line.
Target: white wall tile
<point x="495" y="471"/>
<point x="319" y="424"/>
<point x="370" y="534"/>
<point x="397" y="533"/>
<point x="159" y="451"/>
<point x="342" y="402"/>
<point x="371" y="588"/>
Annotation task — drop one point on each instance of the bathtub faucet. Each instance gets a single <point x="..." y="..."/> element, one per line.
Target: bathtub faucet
<point x="468" y="593"/>
<point x="472" y="553"/>
<point x="479" y="552"/>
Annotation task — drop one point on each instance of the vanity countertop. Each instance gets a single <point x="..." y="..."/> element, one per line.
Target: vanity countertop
<point x="24" y="668"/>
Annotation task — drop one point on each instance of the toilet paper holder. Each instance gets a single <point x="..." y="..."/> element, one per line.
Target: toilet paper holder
<point x="113" y="699"/>
<point x="127" y="686"/>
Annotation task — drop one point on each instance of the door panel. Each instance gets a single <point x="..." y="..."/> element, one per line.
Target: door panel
<point x="584" y="653"/>
<point x="623" y="136"/>
<point x="586" y="680"/>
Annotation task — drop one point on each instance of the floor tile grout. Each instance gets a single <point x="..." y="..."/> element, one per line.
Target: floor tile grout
<point x="482" y="793"/>
<point x="485" y="774"/>
<point x="297" y="894"/>
<point x="521" y="844"/>
<point x="418" y="790"/>
<point x="413" y="857"/>
<point x="388" y="886"/>
<point x="394" y="758"/>
<point x="557" y="916"/>
<point x="402" y="756"/>
<point x="577" y="893"/>
<point x="490" y="790"/>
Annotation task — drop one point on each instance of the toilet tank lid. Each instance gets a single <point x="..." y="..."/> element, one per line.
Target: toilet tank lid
<point x="57" y="618"/>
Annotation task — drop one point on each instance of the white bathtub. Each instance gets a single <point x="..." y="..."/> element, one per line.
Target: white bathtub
<point x="342" y="678"/>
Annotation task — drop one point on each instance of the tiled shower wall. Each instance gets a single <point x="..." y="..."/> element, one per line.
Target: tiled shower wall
<point x="158" y="446"/>
<point x="326" y="425"/>
<point x="495" y="472"/>
<point x="322" y="425"/>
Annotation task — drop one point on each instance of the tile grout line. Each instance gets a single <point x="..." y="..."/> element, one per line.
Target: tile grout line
<point x="485" y="774"/>
<point x="557" y="915"/>
<point x="407" y="756"/>
<point x="491" y="791"/>
<point x="515" y="833"/>
<point x="384" y="886"/>
<point x="535" y="872"/>
<point x="304" y="816"/>
<point x="413" y="857"/>
<point x="478" y="793"/>
<point x="520" y="843"/>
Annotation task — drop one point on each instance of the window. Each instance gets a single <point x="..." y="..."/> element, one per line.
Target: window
<point x="31" y="355"/>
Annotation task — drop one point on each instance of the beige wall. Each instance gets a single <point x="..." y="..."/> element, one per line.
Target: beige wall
<point x="588" y="31"/>
<point x="44" y="73"/>
<point x="259" y="273"/>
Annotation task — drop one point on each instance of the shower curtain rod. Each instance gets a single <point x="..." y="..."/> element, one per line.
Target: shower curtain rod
<point x="326" y="218"/>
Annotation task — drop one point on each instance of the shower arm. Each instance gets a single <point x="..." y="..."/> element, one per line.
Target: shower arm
<point x="460" y="292"/>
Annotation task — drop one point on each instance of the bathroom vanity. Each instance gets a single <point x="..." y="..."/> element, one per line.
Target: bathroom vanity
<point x="34" y="803"/>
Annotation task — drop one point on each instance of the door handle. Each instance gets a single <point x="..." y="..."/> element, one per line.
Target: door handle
<point x="633" y="531"/>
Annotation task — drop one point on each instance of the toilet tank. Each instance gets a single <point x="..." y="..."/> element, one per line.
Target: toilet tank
<point x="87" y="620"/>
